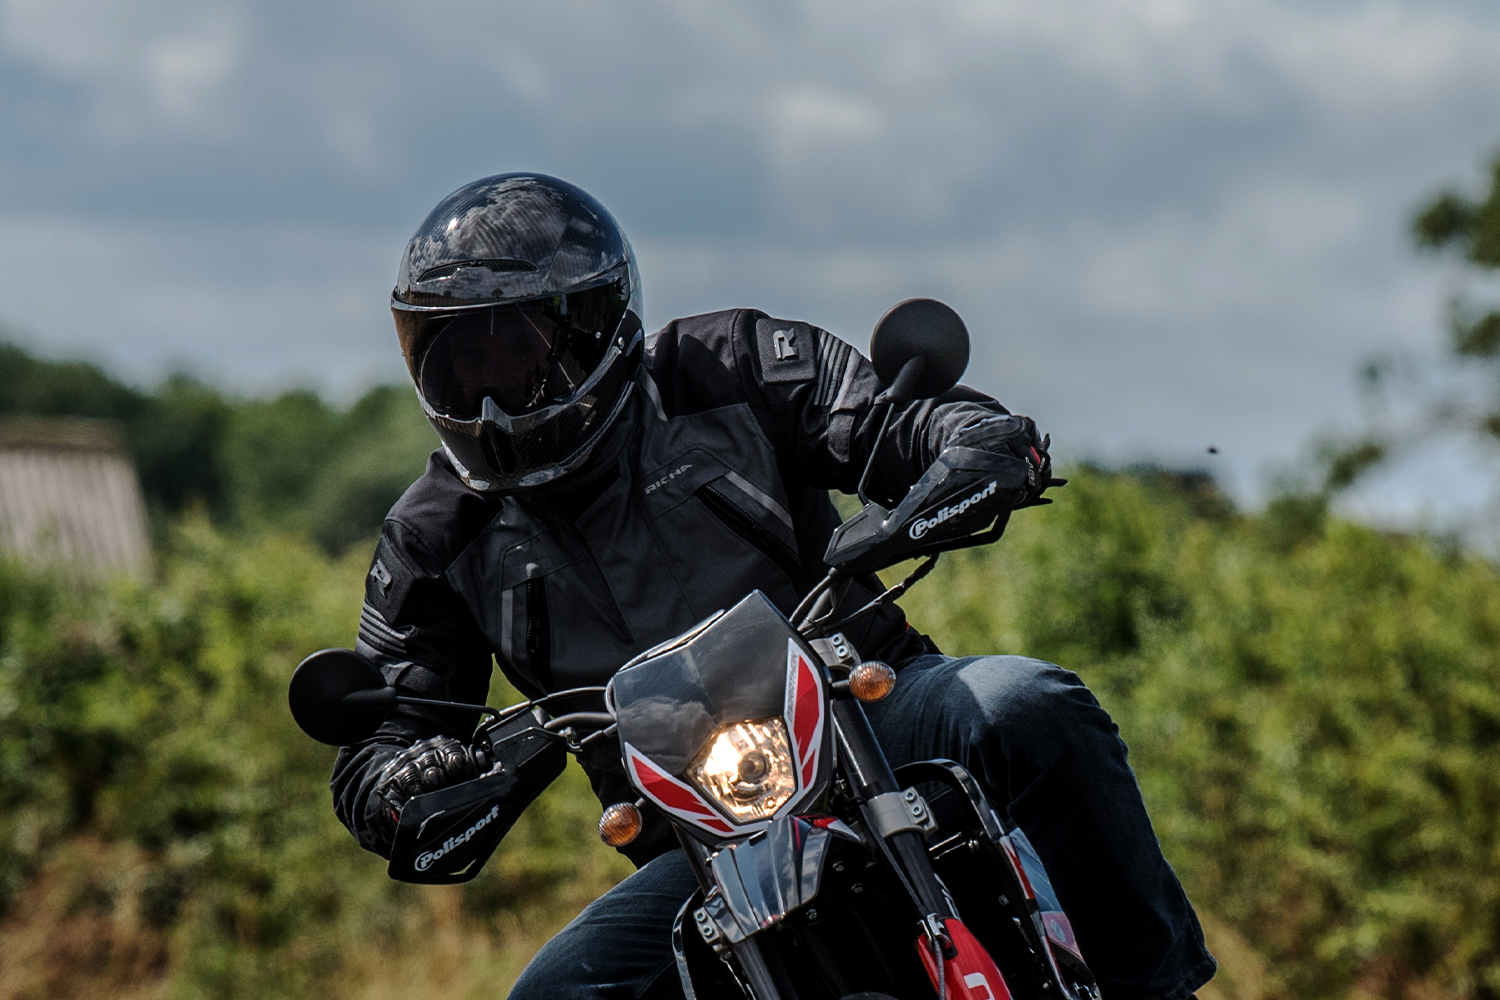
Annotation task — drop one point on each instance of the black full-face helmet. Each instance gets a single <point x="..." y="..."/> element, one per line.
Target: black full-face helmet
<point x="518" y="306"/>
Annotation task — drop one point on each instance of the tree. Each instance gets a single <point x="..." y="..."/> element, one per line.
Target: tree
<point x="1470" y="229"/>
<point x="1464" y="396"/>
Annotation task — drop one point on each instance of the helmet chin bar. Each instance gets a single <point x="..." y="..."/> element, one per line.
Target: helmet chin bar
<point x="611" y="435"/>
<point x="470" y="443"/>
<point x="468" y="477"/>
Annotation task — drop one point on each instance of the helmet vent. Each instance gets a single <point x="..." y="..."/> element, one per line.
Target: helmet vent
<point x="493" y="264"/>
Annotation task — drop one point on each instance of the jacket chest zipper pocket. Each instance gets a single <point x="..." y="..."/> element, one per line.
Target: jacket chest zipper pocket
<point x="538" y="632"/>
<point x="742" y="523"/>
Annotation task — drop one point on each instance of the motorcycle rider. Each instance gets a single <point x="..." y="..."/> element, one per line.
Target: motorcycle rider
<point x="598" y="493"/>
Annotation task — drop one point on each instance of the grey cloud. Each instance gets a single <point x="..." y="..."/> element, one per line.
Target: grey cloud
<point x="1169" y="222"/>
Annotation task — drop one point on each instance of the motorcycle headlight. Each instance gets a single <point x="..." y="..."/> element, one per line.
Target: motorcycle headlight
<point x="748" y="769"/>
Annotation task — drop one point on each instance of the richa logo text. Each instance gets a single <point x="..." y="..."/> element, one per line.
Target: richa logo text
<point x="426" y="858"/>
<point x="923" y="525"/>
<point x="664" y="480"/>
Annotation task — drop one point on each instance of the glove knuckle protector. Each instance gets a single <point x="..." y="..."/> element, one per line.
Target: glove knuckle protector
<point x="425" y="766"/>
<point x="1017" y="436"/>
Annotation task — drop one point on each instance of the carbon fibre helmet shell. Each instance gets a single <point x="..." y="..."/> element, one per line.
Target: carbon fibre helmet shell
<point x="524" y="235"/>
<point x="524" y="240"/>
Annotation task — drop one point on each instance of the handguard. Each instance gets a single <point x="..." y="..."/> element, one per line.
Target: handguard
<point x="446" y="836"/>
<point x="961" y="493"/>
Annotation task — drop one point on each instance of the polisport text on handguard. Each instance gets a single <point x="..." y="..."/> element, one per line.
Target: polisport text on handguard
<point x="922" y="525"/>
<point x="425" y="860"/>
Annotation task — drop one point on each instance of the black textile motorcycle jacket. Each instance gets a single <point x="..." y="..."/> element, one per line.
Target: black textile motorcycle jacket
<point x="740" y="426"/>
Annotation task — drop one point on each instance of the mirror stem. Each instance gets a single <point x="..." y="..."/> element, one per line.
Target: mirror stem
<point x="487" y="710"/>
<point x="864" y="478"/>
<point x="900" y="390"/>
<point x="897" y="393"/>
<point x="827" y="583"/>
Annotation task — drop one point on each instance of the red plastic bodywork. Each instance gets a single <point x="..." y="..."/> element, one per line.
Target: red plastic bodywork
<point x="969" y="975"/>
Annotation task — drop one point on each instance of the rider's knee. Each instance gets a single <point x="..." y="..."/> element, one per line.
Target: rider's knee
<point x="1020" y="698"/>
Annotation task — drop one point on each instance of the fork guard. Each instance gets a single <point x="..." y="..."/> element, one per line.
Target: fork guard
<point x="1043" y="924"/>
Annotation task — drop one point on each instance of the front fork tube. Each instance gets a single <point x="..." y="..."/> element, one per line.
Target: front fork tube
<point x="957" y="964"/>
<point x="872" y="776"/>
<point x="760" y="969"/>
<point x="763" y="970"/>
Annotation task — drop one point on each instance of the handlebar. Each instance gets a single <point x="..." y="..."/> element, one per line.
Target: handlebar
<point x="574" y="730"/>
<point x="601" y="720"/>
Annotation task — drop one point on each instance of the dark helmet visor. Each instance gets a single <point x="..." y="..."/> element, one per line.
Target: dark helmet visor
<point x="523" y="355"/>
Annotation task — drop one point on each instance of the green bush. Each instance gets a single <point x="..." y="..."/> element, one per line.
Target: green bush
<point x="153" y="720"/>
<point x="1311" y="707"/>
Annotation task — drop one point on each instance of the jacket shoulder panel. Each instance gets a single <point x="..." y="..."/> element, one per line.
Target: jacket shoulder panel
<point x="696" y="361"/>
<point x="410" y="612"/>
<point x="438" y="517"/>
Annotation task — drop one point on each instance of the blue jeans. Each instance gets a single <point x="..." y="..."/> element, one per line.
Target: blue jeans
<point x="1041" y="747"/>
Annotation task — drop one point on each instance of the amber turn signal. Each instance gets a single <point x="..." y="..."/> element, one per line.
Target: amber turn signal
<point x="871" y="680"/>
<point x="620" y="824"/>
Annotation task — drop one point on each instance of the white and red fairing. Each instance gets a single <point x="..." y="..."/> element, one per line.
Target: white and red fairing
<point x="806" y="716"/>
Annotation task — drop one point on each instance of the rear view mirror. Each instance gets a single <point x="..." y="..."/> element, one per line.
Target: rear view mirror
<point x="924" y="331"/>
<point x="338" y="697"/>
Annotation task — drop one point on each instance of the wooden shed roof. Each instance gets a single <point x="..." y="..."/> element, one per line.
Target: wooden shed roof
<point x="69" y="493"/>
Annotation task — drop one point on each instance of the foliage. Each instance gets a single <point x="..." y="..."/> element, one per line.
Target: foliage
<point x="1469" y="228"/>
<point x="162" y="815"/>
<point x="293" y="461"/>
<point x="1464" y="396"/>
<point x="296" y="463"/>
<point x="1311" y="706"/>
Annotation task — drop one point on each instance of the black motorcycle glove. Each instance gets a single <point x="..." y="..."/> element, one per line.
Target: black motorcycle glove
<point x="427" y="766"/>
<point x="1016" y="436"/>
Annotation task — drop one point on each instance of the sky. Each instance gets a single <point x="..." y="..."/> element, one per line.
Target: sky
<point x="1169" y="224"/>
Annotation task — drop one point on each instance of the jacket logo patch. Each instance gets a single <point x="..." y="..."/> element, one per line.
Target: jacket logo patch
<point x="787" y="351"/>
<point x="381" y="575"/>
<point x="664" y="480"/>
<point x="786" y="344"/>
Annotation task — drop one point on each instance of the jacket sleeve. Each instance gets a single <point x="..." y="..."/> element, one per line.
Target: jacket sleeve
<point x="419" y="632"/>
<point x="814" y="396"/>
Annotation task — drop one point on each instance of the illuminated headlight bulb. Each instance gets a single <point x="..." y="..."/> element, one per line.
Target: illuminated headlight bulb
<point x="748" y="769"/>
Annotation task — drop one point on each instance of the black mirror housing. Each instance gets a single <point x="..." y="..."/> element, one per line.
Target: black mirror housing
<point x="338" y="697"/>
<point x="925" y="329"/>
